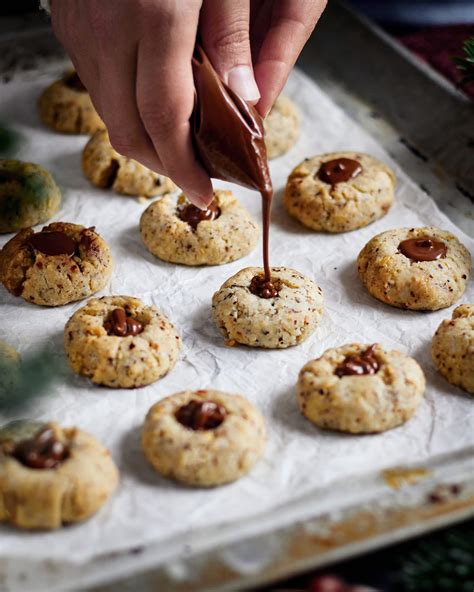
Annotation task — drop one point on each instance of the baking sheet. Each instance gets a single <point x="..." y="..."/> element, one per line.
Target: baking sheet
<point x="298" y="457"/>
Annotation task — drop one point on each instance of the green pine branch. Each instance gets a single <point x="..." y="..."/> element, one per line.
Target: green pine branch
<point x="466" y="63"/>
<point x="443" y="563"/>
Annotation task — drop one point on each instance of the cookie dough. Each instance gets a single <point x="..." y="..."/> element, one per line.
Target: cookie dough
<point x="282" y="127"/>
<point x="10" y="364"/>
<point x="65" y="106"/>
<point x="360" y="389"/>
<point x="51" y="476"/>
<point x="434" y="277"/>
<point x="325" y="194"/>
<point x="60" y="264"/>
<point x="28" y="195"/>
<point x="171" y="231"/>
<point x="203" y="438"/>
<point x="277" y="322"/>
<point x="107" y="169"/>
<point x="118" y="341"/>
<point x="453" y="348"/>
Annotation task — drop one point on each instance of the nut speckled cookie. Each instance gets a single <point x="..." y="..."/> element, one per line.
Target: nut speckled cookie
<point x="28" y="195"/>
<point x="120" y="342"/>
<point x="9" y="368"/>
<point x="203" y="438"/>
<point x="328" y="193"/>
<point x="282" y="127"/>
<point x="279" y="322"/>
<point x="107" y="169"/>
<point x="62" y="263"/>
<point x="51" y="476"/>
<point x="65" y="106"/>
<point x="360" y="389"/>
<point x="415" y="268"/>
<point x="453" y="348"/>
<point x="171" y="230"/>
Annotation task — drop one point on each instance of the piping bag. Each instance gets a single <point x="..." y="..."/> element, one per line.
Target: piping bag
<point x="228" y="137"/>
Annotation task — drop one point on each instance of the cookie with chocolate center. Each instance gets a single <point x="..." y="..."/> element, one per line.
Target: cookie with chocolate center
<point x="340" y="191"/>
<point x="120" y="342"/>
<point x="203" y="438"/>
<point x="51" y="476"/>
<point x="174" y="230"/>
<point x="277" y="315"/>
<point x="415" y="268"/>
<point x="360" y="388"/>
<point x="62" y="263"/>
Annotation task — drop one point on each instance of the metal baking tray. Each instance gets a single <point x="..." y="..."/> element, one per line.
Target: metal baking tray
<point x="428" y="127"/>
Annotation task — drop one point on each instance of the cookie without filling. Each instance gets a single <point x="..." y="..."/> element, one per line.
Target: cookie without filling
<point x="107" y="169"/>
<point x="51" y="476"/>
<point x="279" y="322"/>
<point x="203" y="438"/>
<point x="409" y="282"/>
<point x="66" y="106"/>
<point x="126" y="352"/>
<point x="230" y="235"/>
<point x="322" y="204"/>
<point x="337" y="391"/>
<point x="60" y="264"/>
<point x="282" y="127"/>
<point x="453" y="348"/>
<point x="28" y="195"/>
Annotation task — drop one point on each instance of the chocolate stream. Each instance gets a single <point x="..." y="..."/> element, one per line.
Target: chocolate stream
<point x="229" y="139"/>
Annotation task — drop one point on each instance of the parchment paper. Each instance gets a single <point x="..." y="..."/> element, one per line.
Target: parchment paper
<point x="298" y="456"/>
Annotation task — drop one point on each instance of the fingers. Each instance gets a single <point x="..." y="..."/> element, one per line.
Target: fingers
<point x="291" y="24"/>
<point x="224" y="28"/>
<point x="165" y="99"/>
<point x="119" y="110"/>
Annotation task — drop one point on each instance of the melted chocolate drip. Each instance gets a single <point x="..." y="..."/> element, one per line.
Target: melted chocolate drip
<point x="52" y="243"/>
<point x="122" y="325"/>
<point x="359" y="364"/>
<point x="193" y="215"/>
<point x="201" y="415"/>
<point x="43" y="451"/>
<point x="263" y="288"/>
<point x="339" y="170"/>
<point x="73" y="81"/>
<point x="424" y="248"/>
<point x="229" y="138"/>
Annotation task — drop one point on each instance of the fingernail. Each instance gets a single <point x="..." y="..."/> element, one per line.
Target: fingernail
<point x="241" y="81"/>
<point x="196" y="200"/>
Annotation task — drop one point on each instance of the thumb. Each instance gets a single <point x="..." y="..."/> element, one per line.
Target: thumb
<point x="224" y="28"/>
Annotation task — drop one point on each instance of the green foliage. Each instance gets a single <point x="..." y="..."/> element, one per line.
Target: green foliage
<point x="442" y="563"/>
<point x="466" y="63"/>
<point x="9" y="142"/>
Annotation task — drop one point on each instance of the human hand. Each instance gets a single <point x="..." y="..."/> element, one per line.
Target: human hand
<point x="134" y="57"/>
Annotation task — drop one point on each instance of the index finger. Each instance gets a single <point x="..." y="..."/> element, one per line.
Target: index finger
<point x="291" y="24"/>
<point x="165" y="98"/>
